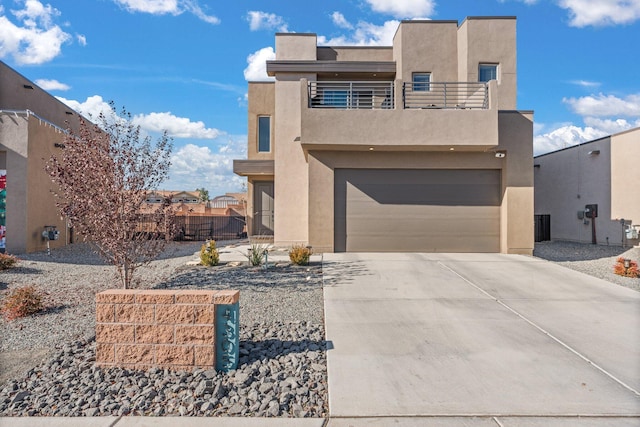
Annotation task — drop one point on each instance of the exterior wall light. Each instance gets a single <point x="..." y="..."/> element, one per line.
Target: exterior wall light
<point x="501" y="154"/>
<point x="594" y="152"/>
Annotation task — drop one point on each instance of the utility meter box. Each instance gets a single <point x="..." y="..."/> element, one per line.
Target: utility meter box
<point x="591" y="211"/>
<point x="50" y="233"/>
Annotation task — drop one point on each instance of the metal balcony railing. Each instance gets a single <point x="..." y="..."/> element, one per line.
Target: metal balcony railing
<point x="437" y="95"/>
<point x="351" y="95"/>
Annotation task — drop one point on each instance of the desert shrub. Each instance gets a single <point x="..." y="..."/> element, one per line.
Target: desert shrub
<point x="257" y="253"/>
<point x="22" y="302"/>
<point x="300" y="255"/>
<point x="631" y="271"/>
<point x="209" y="255"/>
<point x="7" y="261"/>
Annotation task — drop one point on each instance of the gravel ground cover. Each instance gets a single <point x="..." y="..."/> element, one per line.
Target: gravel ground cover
<point x="282" y="370"/>
<point x="595" y="260"/>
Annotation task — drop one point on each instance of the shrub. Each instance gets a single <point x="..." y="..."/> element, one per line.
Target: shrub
<point x="22" y="302"/>
<point x="299" y="255"/>
<point x="257" y="253"/>
<point x="209" y="255"/>
<point x="621" y="270"/>
<point x="7" y="261"/>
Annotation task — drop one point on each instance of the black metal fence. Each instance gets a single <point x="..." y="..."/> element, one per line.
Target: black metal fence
<point x="201" y="228"/>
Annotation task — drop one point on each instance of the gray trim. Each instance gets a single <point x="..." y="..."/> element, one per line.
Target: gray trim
<point x="303" y="67"/>
<point x="253" y="167"/>
<point x="429" y="21"/>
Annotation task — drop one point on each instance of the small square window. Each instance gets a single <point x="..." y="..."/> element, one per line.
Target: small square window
<point x="421" y="82"/>
<point x="487" y="72"/>
<point x="264" y="134"/>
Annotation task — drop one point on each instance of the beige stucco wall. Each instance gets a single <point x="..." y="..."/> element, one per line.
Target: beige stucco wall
<point x="492" y="40"/>
<point x="16" y="97"/>
<point x="41" y="208"/>
<point x="13" y="141"/>
<point x="353" y="53"/>
<point x="261" y="103"/>
<point x="426" y="46"/>
<point x="625" y="176"/>
<point x="516" y="140"/>
<point x="290" y="169"/>
<point x="296" y="46"/>
<point x="27" y="143"/>
<point x="566" y="181"/>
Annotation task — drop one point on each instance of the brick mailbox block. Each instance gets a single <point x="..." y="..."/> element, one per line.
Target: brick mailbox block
<point x="140" y="329"/>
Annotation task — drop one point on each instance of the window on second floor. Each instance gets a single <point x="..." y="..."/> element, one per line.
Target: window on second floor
<point x="421" y="82"/>
<point x="264" y="134"/>
<point x="487" y="72"/>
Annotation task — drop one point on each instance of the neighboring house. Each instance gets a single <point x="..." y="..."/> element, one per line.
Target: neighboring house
<point x="416" y="146"/>
<point x="604" y="172"/>
<point x="32" y="126"/>
<point x="189" y="203"/>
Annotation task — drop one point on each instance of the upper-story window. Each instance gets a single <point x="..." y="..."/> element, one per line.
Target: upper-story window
<point x="264" y="134"/>
<point x="487" y="72"/>
<point x="421" y="82"/>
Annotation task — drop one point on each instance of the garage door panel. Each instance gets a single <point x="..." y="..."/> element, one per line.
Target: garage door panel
<point x="417" y="210"/>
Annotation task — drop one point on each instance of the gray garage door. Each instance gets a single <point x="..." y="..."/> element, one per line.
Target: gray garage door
<point x="435" y="210"/>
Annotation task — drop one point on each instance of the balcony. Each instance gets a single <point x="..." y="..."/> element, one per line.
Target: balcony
<point x="399" y="117"/>
<point x="368" y="95"/>
<point x="454" y="95"/>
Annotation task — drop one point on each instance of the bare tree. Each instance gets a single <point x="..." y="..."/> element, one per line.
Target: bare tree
<point x="103" y="175"/>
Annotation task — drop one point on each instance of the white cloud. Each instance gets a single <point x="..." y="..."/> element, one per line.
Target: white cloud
<point x="365" y="34"/>
<point x="36" y="39"/>
<point x="52" y="85"/>
<point x="164" y="7"/>
<point x="611" y="126"/>
<point x="605" y="105"/>
<point x="585" y="83"/>
<point x="195" y="166"/>
<point x="91" y="108"/>
<point x="266" y="21"/>
<point x="528" y="2"/>
<point x="177" y="127"/>
<point x="601" y="115"/>
<point x="340" y="21"/>
<point x="257" y="68"/>
<point x="565" y="136"/>
<point x="155" y="7"/>
<point x="599" y="13"/>
<point x="403" y="8"/>
<point x="194" y="8"/>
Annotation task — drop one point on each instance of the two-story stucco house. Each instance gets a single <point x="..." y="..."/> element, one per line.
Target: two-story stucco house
<point x="416" y="146"/>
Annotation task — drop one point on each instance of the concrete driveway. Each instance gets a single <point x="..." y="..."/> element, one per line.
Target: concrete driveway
<point x="478" y="339"/>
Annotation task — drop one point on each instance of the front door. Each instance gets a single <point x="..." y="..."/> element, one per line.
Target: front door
<point x="263" y="208"/>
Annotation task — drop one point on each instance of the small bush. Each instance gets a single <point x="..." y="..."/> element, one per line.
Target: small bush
<point x="22" y="302"/>
<point x="631" y="271"/>
<point x="299" y="255"/>
<point x="7" y="261"/>
<point x="209" y="255"/>
<point x="257" y="253"/>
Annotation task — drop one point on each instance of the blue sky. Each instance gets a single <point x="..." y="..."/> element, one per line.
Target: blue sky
<point x="183" y="65"/>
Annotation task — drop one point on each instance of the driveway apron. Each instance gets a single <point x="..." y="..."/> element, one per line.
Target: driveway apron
<point x="478" y="335"/>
